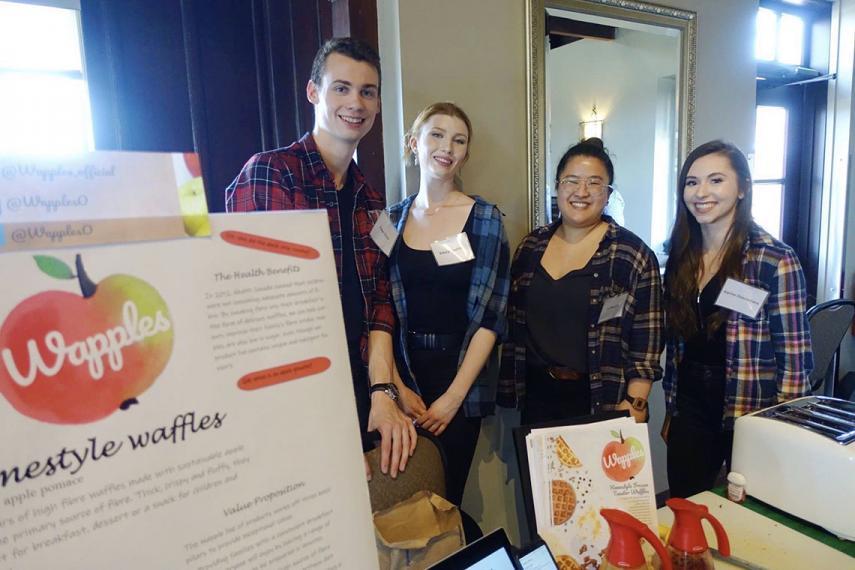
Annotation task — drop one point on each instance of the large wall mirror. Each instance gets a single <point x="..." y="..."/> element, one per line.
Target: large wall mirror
<point x="624" y="69"/>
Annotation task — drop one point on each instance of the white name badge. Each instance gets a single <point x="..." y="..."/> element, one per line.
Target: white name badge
<point x="451" y="250"/>
<point x="742" y="298"/>
<point x="384" y="233"/>
<point x="613" y="307"/>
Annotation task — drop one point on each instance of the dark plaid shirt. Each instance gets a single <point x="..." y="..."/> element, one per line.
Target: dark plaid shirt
<point x="619" y="349"/>
<point x="296" y="178"/>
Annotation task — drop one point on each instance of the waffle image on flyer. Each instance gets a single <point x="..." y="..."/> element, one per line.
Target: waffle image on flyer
<point x="581" y="469"/>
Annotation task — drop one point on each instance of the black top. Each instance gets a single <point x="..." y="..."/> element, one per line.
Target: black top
<point x="436" y="295"/>
<point x="700" y="347"/>
<point x="352" y="302"/>
<point x="557" y="318"/>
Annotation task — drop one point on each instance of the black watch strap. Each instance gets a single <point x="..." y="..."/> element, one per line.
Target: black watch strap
<point x="387" y="388"/>
<point x="639" y="404"/>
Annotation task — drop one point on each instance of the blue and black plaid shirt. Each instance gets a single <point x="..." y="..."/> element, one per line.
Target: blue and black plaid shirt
<point x="486" y="301"/>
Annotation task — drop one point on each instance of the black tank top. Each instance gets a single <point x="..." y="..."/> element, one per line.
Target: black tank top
<point x="436" y="295"/>
<point x="557" y="314"/>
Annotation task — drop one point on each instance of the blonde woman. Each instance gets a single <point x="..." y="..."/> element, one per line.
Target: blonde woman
<point x="449" y="274"/>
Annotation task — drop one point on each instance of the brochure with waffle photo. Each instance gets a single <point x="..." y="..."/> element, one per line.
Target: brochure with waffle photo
<point x="577" y="470"/>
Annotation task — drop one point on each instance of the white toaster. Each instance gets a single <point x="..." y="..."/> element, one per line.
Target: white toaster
<point x="799" y="456"/>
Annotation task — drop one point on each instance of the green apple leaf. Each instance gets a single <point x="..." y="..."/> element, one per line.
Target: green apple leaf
<point x="54" y="267"/>
<point x="615" y="434"/>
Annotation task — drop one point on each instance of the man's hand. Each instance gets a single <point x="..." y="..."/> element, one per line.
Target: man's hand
<point x="441" y="412"/>
<point x="397" y="433"/>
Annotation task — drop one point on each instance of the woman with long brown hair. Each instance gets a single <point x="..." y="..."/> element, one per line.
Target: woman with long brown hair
<point x="725" y="360"/>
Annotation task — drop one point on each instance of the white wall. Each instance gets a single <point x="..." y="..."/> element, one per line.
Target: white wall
<point x="725" y="91"/>
<point x="840" y="176"/>
<point x="621" y="76"/>
<point x="391" y="109"/>
<point x="473" y="52"/>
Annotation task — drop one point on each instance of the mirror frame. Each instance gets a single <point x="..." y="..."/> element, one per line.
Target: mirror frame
<point x="646" y="13"/>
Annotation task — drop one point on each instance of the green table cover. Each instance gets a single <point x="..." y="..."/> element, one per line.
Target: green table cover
<point x="813" y="531"/>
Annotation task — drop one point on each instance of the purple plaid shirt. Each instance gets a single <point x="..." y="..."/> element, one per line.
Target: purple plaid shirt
<point x="768" y="358"/>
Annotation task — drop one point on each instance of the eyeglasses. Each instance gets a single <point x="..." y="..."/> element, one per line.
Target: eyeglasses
<point x="595" y="185"/>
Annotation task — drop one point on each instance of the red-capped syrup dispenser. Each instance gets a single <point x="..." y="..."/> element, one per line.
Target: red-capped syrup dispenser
<point x="687" y="546"/>
<point x="624" y="549"/>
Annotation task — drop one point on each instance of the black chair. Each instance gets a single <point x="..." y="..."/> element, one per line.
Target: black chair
<point x="828" y="323"/>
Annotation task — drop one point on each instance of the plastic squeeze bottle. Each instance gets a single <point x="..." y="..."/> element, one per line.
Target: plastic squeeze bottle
<point x="624" y="549"/>
<point x="687" y="546"/>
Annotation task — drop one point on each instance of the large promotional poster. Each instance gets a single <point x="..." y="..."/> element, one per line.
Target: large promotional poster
<point x="181" y="403"/>
<point x="100" y="197"/>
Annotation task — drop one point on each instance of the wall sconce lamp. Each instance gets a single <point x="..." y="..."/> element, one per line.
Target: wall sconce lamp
<point x="593" y="127"/>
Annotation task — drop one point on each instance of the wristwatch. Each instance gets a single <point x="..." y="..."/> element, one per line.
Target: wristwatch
<point x="387" y="388"/>
<point x="638" y="404"/>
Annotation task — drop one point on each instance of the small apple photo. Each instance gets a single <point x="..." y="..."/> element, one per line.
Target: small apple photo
<point x="191" y="194"/>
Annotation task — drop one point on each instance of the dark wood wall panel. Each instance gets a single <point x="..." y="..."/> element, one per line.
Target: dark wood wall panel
<point x="225" y="78"/>
<point x="126" y="57"/>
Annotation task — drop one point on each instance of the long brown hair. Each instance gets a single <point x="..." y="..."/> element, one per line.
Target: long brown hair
<point x="686" y="245"/>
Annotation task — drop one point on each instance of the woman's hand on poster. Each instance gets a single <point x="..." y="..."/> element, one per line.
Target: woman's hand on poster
<point x="440" y="413"/>
<point x="411" y="403"/>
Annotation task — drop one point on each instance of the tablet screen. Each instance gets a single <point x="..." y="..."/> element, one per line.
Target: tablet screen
<point x="538" y="559"/>
<point x="498" y="560"/>
<point x="491" y="552"/>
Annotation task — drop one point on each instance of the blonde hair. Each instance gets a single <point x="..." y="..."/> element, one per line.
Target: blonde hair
<point x="440" y="108"/>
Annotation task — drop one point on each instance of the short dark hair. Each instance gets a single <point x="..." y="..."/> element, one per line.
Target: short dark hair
<point x="592" y="147"/>
<point x="350" y="47"/>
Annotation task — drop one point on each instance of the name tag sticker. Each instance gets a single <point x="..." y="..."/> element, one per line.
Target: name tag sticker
<point x="742" y="298"/>
<point x="451" y="250"/>
<point x="384" y="233"/>
<point x="613" y="307"/>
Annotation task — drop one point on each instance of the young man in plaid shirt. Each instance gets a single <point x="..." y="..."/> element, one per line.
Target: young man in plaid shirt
<point x="318" y="171"/>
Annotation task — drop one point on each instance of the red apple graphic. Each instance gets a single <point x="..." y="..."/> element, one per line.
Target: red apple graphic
<point x="623" y="459"/>
<point x="71" y="359"/>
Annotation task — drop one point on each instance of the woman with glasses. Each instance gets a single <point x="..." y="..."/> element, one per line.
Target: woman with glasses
<point x="723" y="359"/>
<point x="449" y="274"/>
<point x="584" y="310"/>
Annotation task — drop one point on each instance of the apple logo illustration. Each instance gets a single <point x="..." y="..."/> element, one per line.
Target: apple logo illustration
<point x="74" y="359"/>
<point x="623" y="459"/>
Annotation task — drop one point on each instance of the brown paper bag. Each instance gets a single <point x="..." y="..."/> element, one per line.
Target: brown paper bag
<point x="417" y="532"/>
